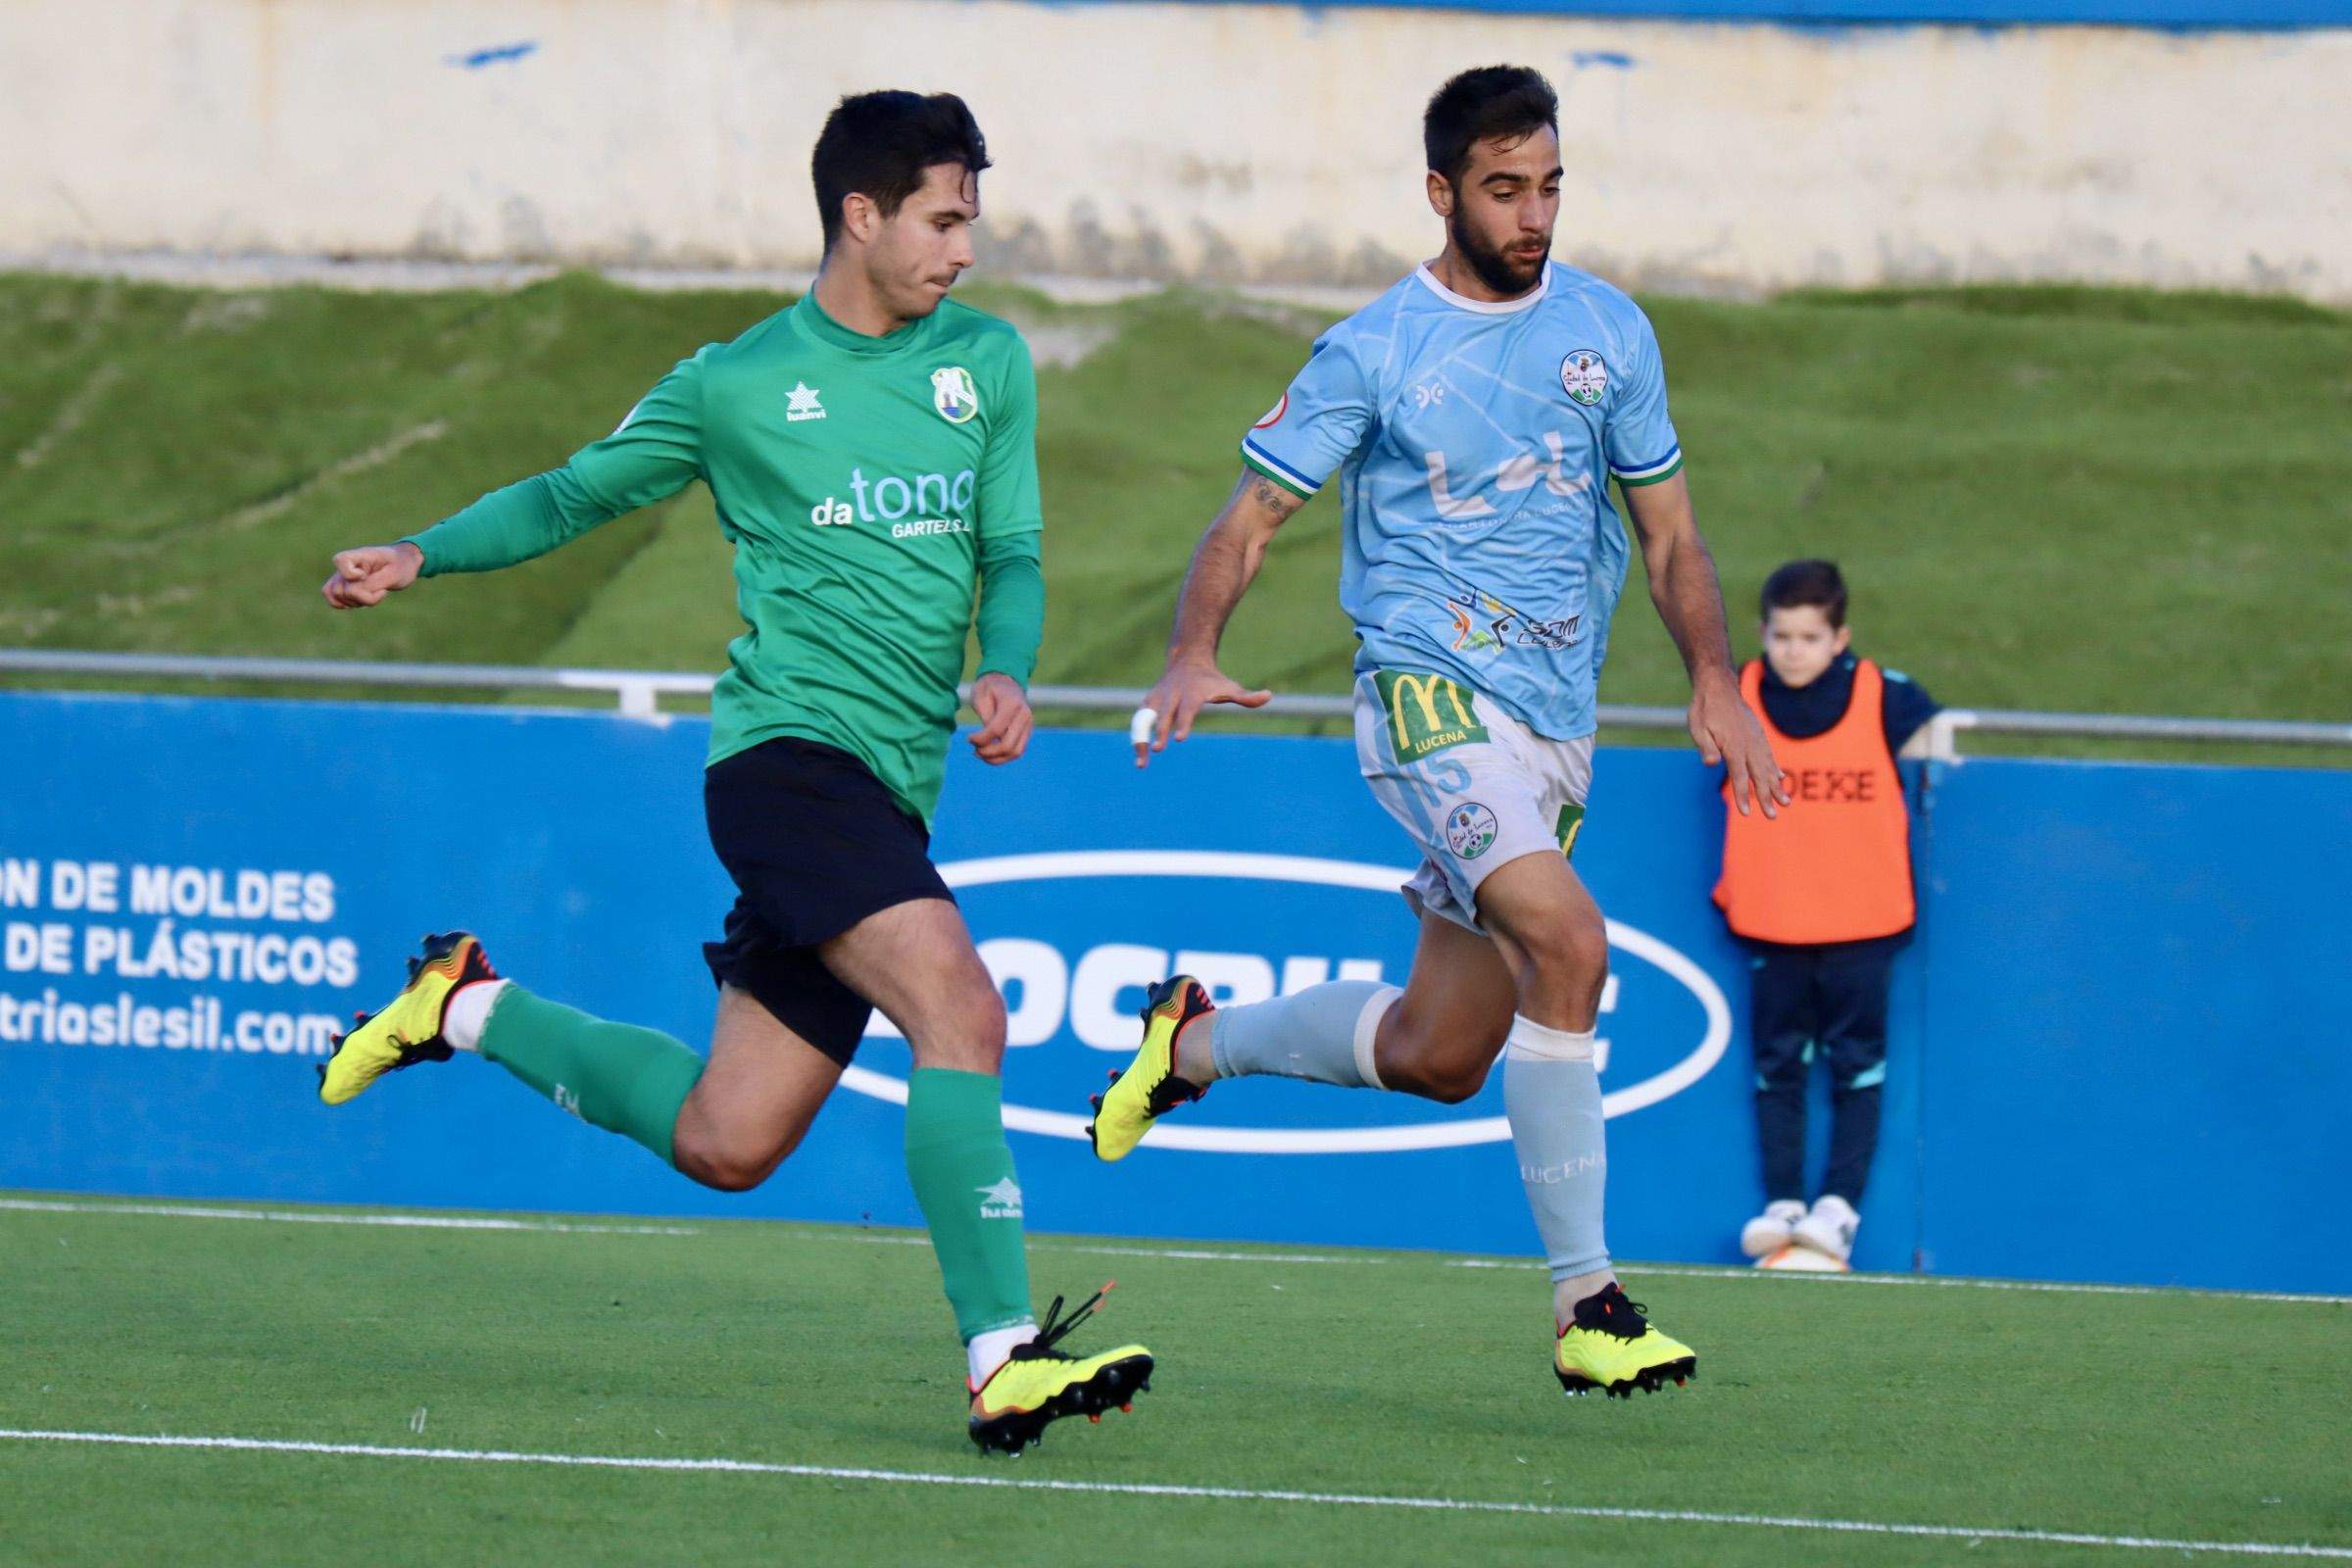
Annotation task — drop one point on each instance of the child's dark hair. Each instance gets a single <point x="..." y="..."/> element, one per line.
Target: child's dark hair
<point x="1818" y="584"/>
<point x="879" y="143"/>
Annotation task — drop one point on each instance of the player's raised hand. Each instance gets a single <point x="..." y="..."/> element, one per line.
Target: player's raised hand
<point x="363" y="577"/>
<point x="1005" y="717"/>
<point x="1726" y="731"/>
<point x="1171" y="707"/>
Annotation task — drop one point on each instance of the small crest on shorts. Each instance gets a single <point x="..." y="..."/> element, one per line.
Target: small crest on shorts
<point x="1470" y="830"/>
<point x="1426" y="713"/>
<point x="954" y="395"/>
<point x="1584" y="377"/>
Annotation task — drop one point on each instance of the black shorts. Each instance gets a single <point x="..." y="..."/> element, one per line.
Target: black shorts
<point x="815" y="844"/>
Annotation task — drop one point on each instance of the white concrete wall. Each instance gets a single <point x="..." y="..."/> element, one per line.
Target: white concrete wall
<point x="1229" y="143"/>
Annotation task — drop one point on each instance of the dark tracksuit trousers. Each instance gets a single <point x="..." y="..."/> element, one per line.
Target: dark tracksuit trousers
<point x="1824" y="1000"/>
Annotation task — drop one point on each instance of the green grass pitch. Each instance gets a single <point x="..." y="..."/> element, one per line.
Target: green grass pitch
<point x="1408" y="1394"/>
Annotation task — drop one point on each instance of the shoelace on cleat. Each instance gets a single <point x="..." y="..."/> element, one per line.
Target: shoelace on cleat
<point x="1055" y="1326"/>
<point x="437" y="1050"/>
<point x="1610" y="1310"/>
<point x="1165" y="1095"/>
<point x="1171" y="1092"/>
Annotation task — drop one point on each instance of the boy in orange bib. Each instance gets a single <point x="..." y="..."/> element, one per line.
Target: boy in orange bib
<point x="1821" y="895"/>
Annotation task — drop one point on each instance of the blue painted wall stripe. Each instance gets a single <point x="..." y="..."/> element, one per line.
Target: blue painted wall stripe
<point x="2169" y="15"/>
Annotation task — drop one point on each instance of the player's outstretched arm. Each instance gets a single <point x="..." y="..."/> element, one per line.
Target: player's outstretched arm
<point x="655" y="453"/>
<point x="1223" y="565"/>
<point x="1690" y="600"/>
<point x="507" y="526"/>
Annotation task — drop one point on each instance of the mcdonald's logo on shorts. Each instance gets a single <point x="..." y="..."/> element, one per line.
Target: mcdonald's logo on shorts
<point x="1427" y="714"/>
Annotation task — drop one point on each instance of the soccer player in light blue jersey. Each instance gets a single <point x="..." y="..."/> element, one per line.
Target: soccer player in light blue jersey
<point x="1475" y="415"/>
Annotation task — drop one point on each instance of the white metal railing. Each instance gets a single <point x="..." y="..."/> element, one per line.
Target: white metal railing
<point x="639" y="693"/>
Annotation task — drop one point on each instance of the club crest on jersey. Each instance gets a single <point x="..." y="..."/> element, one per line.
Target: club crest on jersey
<point x="954" y="395"/>
<point x="1584" y="377"/>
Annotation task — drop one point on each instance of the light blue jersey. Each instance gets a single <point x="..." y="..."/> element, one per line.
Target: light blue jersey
<point x="1474" y="444"/>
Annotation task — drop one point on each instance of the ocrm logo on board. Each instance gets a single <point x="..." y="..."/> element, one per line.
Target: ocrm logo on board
<point x="1074" y="937"/>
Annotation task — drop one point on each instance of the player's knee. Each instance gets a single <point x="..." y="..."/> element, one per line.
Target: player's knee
<point x="722" y="1172"/>
<point x="966" y="1031"/>
<point x="727" y="1165"/>
<point x="731" y="1176"/>
<point x="1446" y="1058"/>
<point x="1450" y="1085"/>
<point x="1447" y="1080"/>
<point x="1571" y="956"/>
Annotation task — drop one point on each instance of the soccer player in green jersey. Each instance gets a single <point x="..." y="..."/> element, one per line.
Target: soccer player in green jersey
<point x="871" y="452"/>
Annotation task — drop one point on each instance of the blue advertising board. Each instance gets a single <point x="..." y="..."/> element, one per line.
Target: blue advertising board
<point x="2106" y="1037"/>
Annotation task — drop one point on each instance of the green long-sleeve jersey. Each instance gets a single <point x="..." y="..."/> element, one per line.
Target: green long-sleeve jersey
<point x="865" y="483"/>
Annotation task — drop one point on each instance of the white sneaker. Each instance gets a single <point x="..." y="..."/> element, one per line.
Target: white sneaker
<point x="1828" y="1229"/>
<point x="1770" y="1230"/>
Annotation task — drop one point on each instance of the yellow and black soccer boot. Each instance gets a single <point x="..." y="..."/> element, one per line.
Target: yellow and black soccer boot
<point x="1038" y="1385"/>
<point x="407" y="1029"/>
<point x="1150" y="1089"/>
<point x="1611" y="1346"/>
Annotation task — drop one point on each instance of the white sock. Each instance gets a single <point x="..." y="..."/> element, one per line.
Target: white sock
<point x="988" y="1351"/>
<point x="1551" y="1095"/>
<point x="463" y="1019"/>
<point x="1323" y="1034"/>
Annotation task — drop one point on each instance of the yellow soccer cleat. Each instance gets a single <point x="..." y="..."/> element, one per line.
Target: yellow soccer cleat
<point x="1038" y="1385"/>
<point x="1150" y="1089"/>
<point x="407" y="1030"/>
<point x="1611" y="1346"/>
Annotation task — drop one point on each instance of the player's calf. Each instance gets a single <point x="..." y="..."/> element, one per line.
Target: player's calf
<point x="1443" y="1071"/>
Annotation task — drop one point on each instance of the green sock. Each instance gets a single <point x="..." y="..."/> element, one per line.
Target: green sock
<point x="962" y="1169"/>
<point x="615" y="1075"/>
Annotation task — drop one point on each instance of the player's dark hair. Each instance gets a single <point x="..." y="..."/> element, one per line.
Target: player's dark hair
<point x="1490" y="101"/>
<point x="877" y="145"/>
<point x="1818" y="584"/>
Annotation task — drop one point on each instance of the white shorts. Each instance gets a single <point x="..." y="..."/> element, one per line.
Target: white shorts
<point x="1474" y="787"/>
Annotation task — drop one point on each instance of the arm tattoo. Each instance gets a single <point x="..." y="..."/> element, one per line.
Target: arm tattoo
<point x="1273" y="497"/>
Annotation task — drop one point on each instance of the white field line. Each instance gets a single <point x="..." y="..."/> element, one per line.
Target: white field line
<point x="457" y="1222"/>
<point x="292" y="1216"/>
<point x="1141" y="1489"/>
<point x="1697" y="1271"/>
